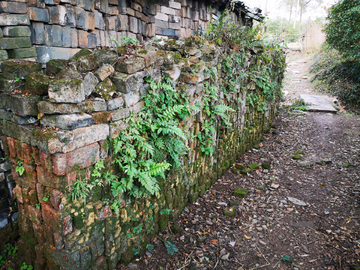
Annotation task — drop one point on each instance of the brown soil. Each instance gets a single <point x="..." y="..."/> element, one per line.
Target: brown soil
<point x="321" y="233"/>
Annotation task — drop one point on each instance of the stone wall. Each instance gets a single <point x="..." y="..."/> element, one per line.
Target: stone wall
<point x="57" y="29"/>
<point x="55" y="125"/>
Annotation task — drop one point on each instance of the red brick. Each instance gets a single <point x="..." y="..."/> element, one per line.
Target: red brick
<point x="34" y="215"/>
<point x="35" y="155"/>
<point x="11" y="144"/>
<point x="18" y="193"/>
<point x="55" y="198"/>
<point x="18" y="149"/>
<point x="78" y="159"/>
<point x="50" y="216"/>
<point x="70" y="179"/>
<point x="30" y="176"/>
<point x="40" y="190"/>
<point x="58" y="241"/>
<point x="13" y="171"/>
<point x="40" y="256"/>
<point x="49" y="179"/>
<point x="25" y="193"/>
<point x="45" y="161"/>
<point x="5" y="145"/>
<point x="26" y="152"/>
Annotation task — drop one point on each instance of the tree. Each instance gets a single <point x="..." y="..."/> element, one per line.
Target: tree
<point x="343" y="29"/>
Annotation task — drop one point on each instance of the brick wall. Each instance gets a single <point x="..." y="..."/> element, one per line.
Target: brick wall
<point x="57" y="29"/>
<point x="55" y="122"/>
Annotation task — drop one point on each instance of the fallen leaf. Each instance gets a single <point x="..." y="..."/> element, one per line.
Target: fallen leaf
<point x="328" y="231"/>
<point x="286" y="258"/>
<point x="214" y="242"/>
<point x="247" y="237"/>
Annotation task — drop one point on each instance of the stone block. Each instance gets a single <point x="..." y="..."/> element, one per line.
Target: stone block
<point x="104" y="71"/>
<point x="123" y="23"/>
<point x="115" y="103"/>
<point x="168" y="32"/>
<point x="57" y="14"/>
<point x="74" y="38"/>
<point x="20" y="105"/>
<point x="68" y="121"/>
<point x="99" y="20"/>
<point x="175" y="5"/>
<point x="16" y="31"/>
<point x="101" y="117"/>
<point x="66" y="91"/>
<point x="162" y="17"/>
<point x="70" y="18"/>
<point x="11" y="19"/>
<point x="22" y="53"/>
<point x="13" y="7"/>
<point x="161" y="24"/>
<point x="128" y="83"/>
<point x="92" y="40"/>
<point x="37" y="84"/>
<point x="90" y="82"/>
<point x="80" y="158"/>
<point x="83" y="38"/>
<point x="117" y="127"/>
<point x="88" y="5"/>
<point x="45" y="53"/>
<point x="15" y="43"/>
<point x="105" y="89"/>
<point x="168" y="11"/>
<point x="38" y="14"/>
<point x="81" y="17"/>
<point x="131" y="98"/>
<point x="18" y="69"/>
<point x="130" y="66"/>
<point x="120" y="114"/>
<point x="58" y="108"/>
<point x="3" y="55"/>
<point x="133" y="24"/>
<point x="38" y="33"/>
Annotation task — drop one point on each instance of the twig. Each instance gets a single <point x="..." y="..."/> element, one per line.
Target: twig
<point x="261" y="266"/>
<point x="216" y="263"/>
<point x="185" y="262"/>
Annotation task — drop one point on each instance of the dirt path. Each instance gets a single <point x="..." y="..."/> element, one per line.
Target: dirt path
<point x="305" y="210"/>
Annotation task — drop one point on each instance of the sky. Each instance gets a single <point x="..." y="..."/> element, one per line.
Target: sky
<point x="276" y="8"/>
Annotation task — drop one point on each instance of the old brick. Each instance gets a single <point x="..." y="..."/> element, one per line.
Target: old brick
<point x="17" y="31"/>
<point x="57" y="14"/>
<point x="49" y="179"/>
<point x="11" y="19"/>
<point x="133" y="24"/>
<point x="92" y="40"/>
<point x="86" y="4"/>
<point x="38" y="14"/>
<point x="123" y="23"/>
<point x="12" y="7"/>
<point x="38" y="30"/>
<point x="22" y="53"/>
<point x="131" y="65"/>
<point x="15" y="43"/>
<point x="162" y="17"/>
<point x="66" y="91"/>
<point x="83" y="38"/>
<point x="26" y="152"/>
<point x="70" y="18"/>
<point x="78" y="159"/>
<point x="101" y="117"/>
<point x="68" y="121"/>
<point x="45" y="53"/>
<point x="45" y="161"/>
<point x="50" y="216"/>
<point x="3" y="55"/>
<point x="99" y="20"/>
<point x="21" y="105"/>
<point x="80" y="16"/>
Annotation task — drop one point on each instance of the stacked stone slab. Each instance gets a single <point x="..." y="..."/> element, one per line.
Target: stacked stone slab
<point x="15" y="31"/>
<point x="56" y="122"/>
<point x="57" y="29"/>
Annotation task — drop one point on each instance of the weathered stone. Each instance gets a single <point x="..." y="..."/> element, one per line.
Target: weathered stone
<point x="3" y="55"/>
<point x="67" y="121"/>
<point x="68" y="74"/>
<point x="23" y="120"/>
<point x="22" y="53"/>
<point x="38" y="14"/>
<point x="17" y="31"/>
<point x="105" y="89"/>
<point x="58" y="108"/>
<point x="55" y="66"/>
<point x="45" y="54"/>
<point x="131" y="99"/>
<point x="37" y="84"/>
<point x="66" y="91"/>
<point x="130" y="66"/>
<point x="5" y="115"/>
<point x="19" y="69"/>
<point x="117" y="127"/>
<point x="104" y="71"/>
<point x="90" y="82"/>
<point x="96" y="59"/>
<point x="148" y="55"/>
<point x="128" y="83"/>
<point x="120" y="114"/>
<point x="8" y="86"/>
<point x="15" y="43"/>
<point x="11" y="19"/>
<point x="115" y="103"/>
<point x="12" y="7"/>
<point x="21" y="105"/>
<point x="6" y="166"/>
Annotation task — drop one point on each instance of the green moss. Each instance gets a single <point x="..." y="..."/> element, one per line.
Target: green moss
<point x="177" y="57"/>
<point x="142" y="52"/>
<point x="240" y="192"/>
<point x="81" y="53"/>
<point x="265" y="165"/>
<point x="41" y="135"/>
<point x="175" y="228"/>
<point x="296" y="157"/>
<point x="229" y="212"/>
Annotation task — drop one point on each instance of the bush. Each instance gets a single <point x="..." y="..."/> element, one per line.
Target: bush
<point x="337" y="76"/>
<point x="343" y="29"/>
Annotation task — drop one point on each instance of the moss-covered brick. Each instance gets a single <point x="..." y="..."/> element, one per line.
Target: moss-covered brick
<point x="21" y="105"/>
<point x="130" y="66"/>
<point x="3" y="55"/>
<point x="37" y="84"/>
<point x="15" y="43"/>
<point x="19" y="69"/>
<point x="101" y="117"/>
<point x="54" y="66"/>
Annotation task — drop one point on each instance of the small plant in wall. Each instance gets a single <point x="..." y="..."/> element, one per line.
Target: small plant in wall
<point x="19" y="167"/>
